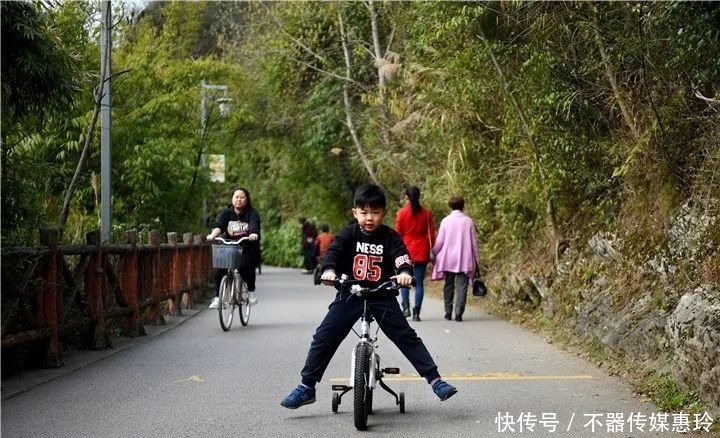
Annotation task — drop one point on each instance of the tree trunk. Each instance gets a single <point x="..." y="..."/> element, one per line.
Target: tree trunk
<point x="619" y="96"/>
<point x="376" y="42"/>
<point x="88" y="138"/>
<point x="384" y="112"/>
<point x="348" y="112"/>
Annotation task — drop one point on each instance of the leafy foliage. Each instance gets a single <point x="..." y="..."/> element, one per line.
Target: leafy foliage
<point x="541" y="127"/>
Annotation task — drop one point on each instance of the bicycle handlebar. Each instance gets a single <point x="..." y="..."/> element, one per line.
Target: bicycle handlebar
<point x="387" y="286"/>
<point x="232" y="242"/>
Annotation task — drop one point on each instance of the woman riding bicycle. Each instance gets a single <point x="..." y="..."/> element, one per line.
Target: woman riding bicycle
<point x="372" y="252"/>
<point x="238" y="220"/>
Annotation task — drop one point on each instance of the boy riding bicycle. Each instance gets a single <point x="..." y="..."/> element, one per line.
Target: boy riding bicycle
<point x="370" y="251"/>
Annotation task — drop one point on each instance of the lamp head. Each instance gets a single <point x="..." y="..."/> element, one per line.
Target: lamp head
<point x="224" y="106"/>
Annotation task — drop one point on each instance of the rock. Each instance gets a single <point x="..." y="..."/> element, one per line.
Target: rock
<point x="531" y="294"/>
<point x="693" y="332"/>
<point x="637" y="331"/>
<point x="594" y="308"/>
<point x="603" y="245"/>
<point x="686" y="239"/>
<point x="519" y="292"/>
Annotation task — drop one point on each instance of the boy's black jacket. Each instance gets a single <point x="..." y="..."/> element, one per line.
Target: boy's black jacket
<point x="374" y="257"/>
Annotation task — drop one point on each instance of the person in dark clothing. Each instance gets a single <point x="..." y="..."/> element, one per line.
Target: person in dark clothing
<point x="308" y="234"/>
<point x="373" y="253"/>
<point x="238" y="220"/>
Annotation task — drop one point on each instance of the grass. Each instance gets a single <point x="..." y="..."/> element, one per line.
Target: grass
<point x="664" y="391"/>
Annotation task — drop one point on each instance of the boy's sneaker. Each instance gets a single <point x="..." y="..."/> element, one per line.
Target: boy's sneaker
<point x="252" y="299"/>
<point x="302" y="395"/>
<point x="443" y="390"/>
<point x="215" y="304"/>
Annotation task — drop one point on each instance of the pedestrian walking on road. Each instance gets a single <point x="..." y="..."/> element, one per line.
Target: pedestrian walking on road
<point x="416" y="226"/>
<point x="308" y="234"/>
<point x="366" y="250"/>
<point x="323" y="241"/>
<point x="456" y="257"/>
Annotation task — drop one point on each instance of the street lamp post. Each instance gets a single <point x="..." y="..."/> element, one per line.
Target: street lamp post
<point x="224" y="107"/>
<point x="105" y="125"/>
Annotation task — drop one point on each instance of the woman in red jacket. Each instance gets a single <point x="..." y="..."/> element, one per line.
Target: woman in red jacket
<point x="416" y="226"/>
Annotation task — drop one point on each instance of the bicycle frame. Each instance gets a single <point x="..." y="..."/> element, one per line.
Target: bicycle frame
<point x="238" y="298"/>
<point x="367" y="345"/>
<point x="372" y="342"/>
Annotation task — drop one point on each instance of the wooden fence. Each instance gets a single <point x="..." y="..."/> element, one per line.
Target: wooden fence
<point x="54" y="293"/>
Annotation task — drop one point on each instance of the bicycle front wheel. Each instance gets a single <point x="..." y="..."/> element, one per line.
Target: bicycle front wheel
<point x="361" y="391"/>
<point x="227" y="303"/>
<point x="243" y="304"/>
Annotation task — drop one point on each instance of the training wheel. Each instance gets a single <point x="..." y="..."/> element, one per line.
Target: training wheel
<point x="401" y="402"/>
<point x="335" y="401"/>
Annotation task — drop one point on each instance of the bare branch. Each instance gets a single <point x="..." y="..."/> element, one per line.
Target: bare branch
<point x="346" y="101"/>
<point x="114" y="75"/>
<point x="624" y="107"/>
<point x="390" y="41"/>
<point x="362" y="44"/>
<point x="325" y="72"/>
<point x="295" y="40"/>
<point x="699" y="95"/>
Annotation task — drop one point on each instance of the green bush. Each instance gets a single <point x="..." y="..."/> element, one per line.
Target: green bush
<point x="281" y="245"/>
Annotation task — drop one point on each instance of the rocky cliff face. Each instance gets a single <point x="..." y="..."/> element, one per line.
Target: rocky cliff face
<point x="693" y="334"/>
<point x="662" y="313"/>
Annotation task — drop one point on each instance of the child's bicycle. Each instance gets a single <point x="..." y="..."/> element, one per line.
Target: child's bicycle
<point x="365" y="371"/>
<point x="233" y="291"/>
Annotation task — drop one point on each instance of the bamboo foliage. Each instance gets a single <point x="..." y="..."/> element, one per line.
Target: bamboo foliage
<point x="552" y="119"/>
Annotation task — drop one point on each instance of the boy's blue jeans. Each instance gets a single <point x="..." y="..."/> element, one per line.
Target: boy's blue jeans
<point x="419" y="275"/>
<point x="342" y="314"/>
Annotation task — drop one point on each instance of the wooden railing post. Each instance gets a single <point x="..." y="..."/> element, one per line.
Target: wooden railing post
<point x="99" y="338"/>
<point x="132" y="326"/>
<point x="154" y="316"/>
<point x="50" y="303"/>
<point x="188" y="278"/>
<point x="198" y="270"/>
<point x="174" y="302"/>
<point x="208" y="273"/>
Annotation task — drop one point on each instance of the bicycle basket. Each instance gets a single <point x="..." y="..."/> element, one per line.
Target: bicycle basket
<point x="228" y="256"/>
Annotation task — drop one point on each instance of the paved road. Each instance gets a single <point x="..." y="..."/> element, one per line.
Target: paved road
<point x="196" y="381"/>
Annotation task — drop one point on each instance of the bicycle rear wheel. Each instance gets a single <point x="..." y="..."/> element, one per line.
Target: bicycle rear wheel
<point x="227" y="303"/>
<point x="361" y="392"/>
<point x="243" y="304"/>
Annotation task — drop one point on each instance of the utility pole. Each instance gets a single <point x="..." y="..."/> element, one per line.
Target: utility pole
<point x="105" y="121"/>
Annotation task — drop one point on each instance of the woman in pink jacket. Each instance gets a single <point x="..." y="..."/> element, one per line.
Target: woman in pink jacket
<point x="456" y="257"/>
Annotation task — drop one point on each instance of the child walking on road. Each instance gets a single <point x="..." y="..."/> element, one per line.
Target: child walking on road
<point x="370" y="251"/>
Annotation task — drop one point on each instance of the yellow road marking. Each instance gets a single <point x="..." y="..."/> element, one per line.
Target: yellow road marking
<point x="197" y="379"/>
<point x="476" y="377"/>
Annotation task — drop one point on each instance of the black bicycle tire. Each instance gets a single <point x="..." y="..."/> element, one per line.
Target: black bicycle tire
<point x="360" y="389"/>
<point x="223" y="283"/>
<point x="243" y="304"/>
